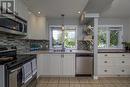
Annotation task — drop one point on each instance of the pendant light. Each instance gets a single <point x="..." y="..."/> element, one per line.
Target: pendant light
<point x="63" y="27"/>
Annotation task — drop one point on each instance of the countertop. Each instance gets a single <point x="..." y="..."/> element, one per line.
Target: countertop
<point x="20" y="59"/>
<point x="112" y="51"/>
<point x="57" y="52"/>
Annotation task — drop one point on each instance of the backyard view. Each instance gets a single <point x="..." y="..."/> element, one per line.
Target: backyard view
<point x="108" y="38"/>
<point x="68" y="36"/>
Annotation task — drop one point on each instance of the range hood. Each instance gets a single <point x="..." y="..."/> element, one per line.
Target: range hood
<point x="12" y="24"/>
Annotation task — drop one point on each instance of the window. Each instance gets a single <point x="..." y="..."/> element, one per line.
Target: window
<point x="110" y="36"/>
<point x="68" y="36"/>
<point x="56" y="38"/>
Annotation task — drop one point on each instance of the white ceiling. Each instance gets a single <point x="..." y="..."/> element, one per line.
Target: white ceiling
<point x="97" y="6"/>
<point x="54" y="8"/>
<point x="119" y="9"/>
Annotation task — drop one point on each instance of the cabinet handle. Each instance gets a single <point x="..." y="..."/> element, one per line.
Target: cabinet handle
<point x="105" y="54"/>
<point x="123" y="70"/>
<point x="105" y="61"/>
<point x="105" y="70"/>
<point x="123" y="62"/>
<point x="62" y="56"/>
<point x="123" y="55"/>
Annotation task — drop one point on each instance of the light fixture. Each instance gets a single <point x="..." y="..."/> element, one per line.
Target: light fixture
<point x="79" y="12"/>
<point x="62" y="26"/>
<point x="39" y="12"/>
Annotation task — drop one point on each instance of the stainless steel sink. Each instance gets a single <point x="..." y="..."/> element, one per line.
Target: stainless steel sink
<point x="60" y="50"/>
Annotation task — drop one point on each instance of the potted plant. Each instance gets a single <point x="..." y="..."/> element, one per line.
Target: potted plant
<point x="126" y="45"/>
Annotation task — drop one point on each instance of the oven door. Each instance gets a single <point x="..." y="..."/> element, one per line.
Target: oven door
<point x="15" y="77"/>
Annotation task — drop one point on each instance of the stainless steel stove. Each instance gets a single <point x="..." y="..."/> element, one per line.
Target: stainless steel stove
<point x="12" y="68"/>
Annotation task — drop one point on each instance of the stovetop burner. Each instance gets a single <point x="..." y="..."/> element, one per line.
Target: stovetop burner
<point x="7" y="54"/>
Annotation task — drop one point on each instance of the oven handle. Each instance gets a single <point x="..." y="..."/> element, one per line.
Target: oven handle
<point x="16" y="69"/>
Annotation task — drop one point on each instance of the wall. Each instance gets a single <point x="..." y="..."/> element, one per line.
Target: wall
<point x="67" y="21"/>
<point x="13" y="40"/>
<point x="129" y="30"/>
<point x="23" y="45"/>
<point x="117" y="21"/>
<point x="70" y="21"/>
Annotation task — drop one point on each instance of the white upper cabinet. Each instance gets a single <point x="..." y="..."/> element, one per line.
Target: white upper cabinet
<point x="36" y="24"/>
<point x="37" y="27"/>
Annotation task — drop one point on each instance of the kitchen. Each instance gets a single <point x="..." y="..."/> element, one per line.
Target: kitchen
<point x="64" y="43"/>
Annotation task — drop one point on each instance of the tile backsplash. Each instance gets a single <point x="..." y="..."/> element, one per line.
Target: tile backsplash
<point x="84" y="45"/>
<point x="21" y="44"/>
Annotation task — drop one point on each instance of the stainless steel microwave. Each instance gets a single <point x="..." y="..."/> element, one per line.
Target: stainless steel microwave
<point x="13" y="25"/>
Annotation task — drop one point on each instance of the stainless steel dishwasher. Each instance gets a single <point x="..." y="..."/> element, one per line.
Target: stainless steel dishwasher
<point x="84" y="64"/>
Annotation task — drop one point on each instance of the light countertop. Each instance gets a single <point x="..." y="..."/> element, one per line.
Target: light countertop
<point x="53" y="52"/>
<point x="112" y="51"/>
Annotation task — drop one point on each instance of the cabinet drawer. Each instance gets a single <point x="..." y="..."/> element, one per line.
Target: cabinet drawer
<point x="103" y="70"/>
<point x="123" y="61"/>
<point x="113" y="55"/>
<point x="106" y="61"/>
<point x="123" y="70"/>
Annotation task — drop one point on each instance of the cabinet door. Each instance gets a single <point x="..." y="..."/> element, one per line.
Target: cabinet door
<point x="37" y="27"/>
<point x="68" y="62"/>
<point x="42" y="64"/>
<point x="54" y="64"/>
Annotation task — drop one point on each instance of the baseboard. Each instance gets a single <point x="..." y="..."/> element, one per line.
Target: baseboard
<point x="95" y="77"/>
<point x="113" y="75"/>
<point x="57" y="76"/>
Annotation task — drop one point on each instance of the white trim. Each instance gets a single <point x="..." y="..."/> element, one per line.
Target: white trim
<point x="108" y="36"/>
<point x="68" y="27"/>
<point x="91" y="15"/>
<point x="95" y="77"/>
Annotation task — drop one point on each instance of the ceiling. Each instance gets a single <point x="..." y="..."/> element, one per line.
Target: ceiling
<point x="118" y="8"/>
<point x="97" y="6"/>
<point x="54" y="8"/>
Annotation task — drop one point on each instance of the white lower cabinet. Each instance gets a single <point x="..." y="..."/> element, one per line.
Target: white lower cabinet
<point x="68" y="64"/>
<point x="113" y="64"/>
<point x="56" y="64"/>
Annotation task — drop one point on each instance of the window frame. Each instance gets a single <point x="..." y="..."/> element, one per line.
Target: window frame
<point x="71" y="27"/>
<point x="108" y="36"/>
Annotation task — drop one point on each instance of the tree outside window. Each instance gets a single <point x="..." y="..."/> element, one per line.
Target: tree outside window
<point x="109" y="37"/>
<point x="68" y="36"/>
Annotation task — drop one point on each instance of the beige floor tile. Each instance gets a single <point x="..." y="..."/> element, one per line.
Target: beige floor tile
<point x="74" y="80"/>
<point x="43" y="80"/>
<point x="74" y="85"/>
<point x="124" y="80"/>
<point x="41" y="85"/>
<point x="122" y="85"/>
<point x="53" y="80"/>
<point x="96" y="85"/>
<point x="64" y="80"/>
<point x="91" y="80"/>
<point x="83" y="80"/>
<point x="86" y="85"/>
<point x="63" y="85"/>
<point x="105" y="81"/>
<point x="108" y="85"/>
<point x="52" y="85"/>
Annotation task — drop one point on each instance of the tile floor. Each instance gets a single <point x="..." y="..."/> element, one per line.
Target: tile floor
<point x="83" y="82"/>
